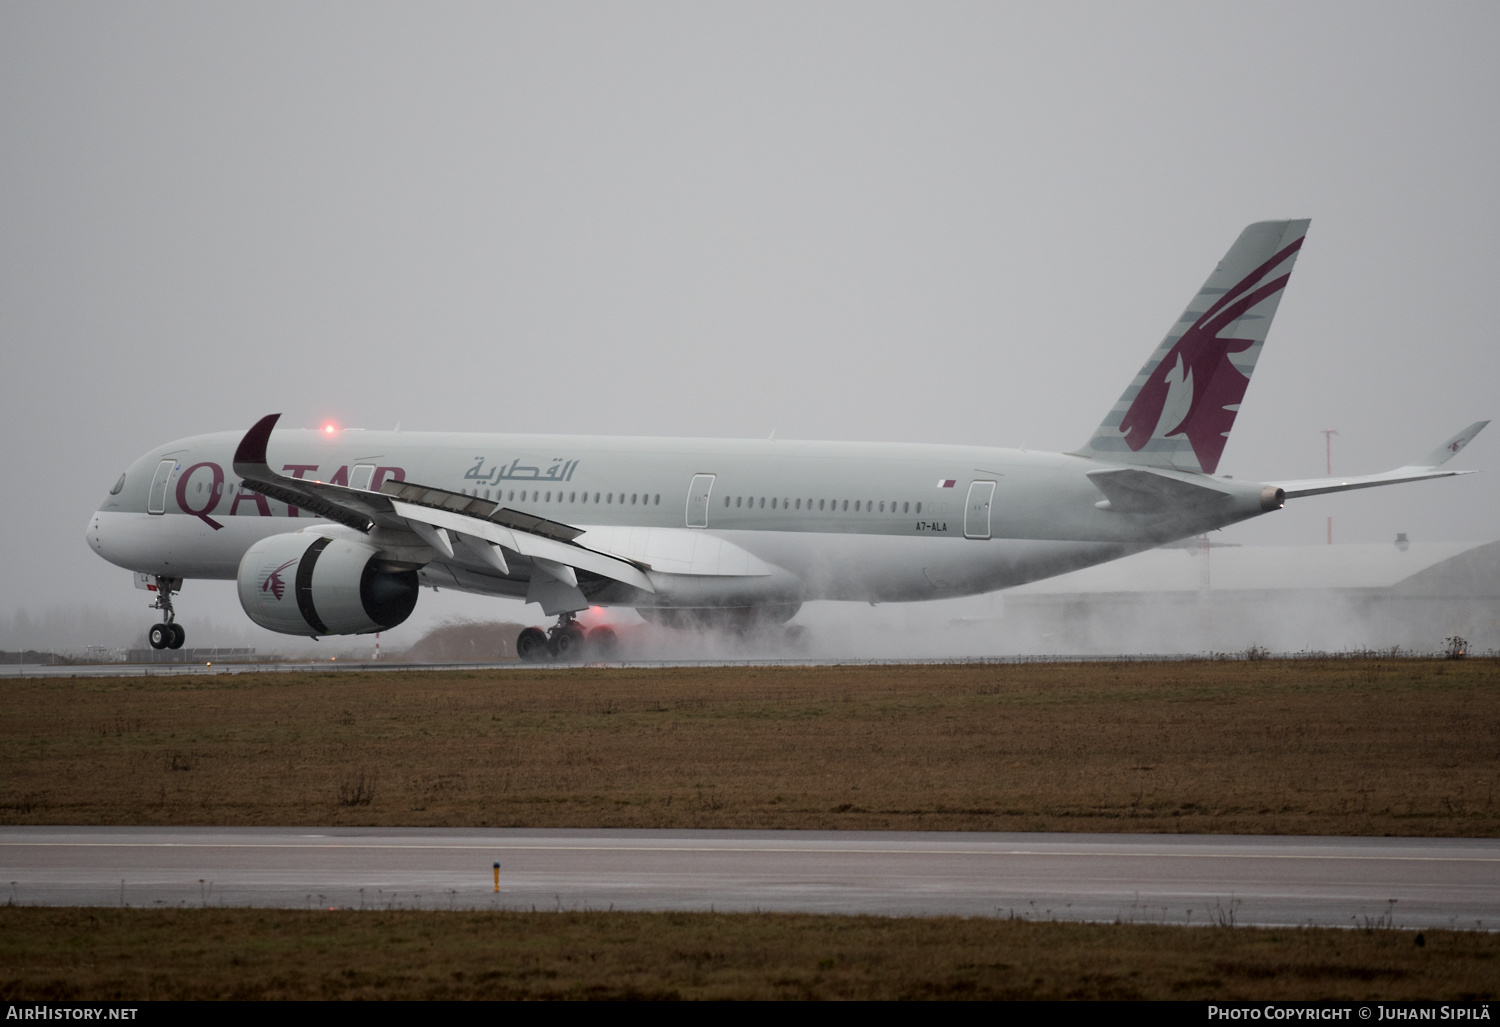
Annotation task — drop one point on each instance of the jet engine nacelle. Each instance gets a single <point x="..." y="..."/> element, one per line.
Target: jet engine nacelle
<point x="308" y="584"/>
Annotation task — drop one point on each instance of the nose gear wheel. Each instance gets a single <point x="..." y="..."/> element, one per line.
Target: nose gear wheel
<point x="168" y="634"/>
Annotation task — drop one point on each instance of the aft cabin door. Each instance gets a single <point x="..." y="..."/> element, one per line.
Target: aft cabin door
<point x="697" y="500"/>
<point x="977" y="511"/>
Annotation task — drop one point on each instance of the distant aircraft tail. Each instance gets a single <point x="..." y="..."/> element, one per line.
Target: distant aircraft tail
<point x="1178" y="411"/>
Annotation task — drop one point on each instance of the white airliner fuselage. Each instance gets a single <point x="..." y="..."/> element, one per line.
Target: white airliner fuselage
<point x="332" y="531"/>
<point x="829" y="520"/>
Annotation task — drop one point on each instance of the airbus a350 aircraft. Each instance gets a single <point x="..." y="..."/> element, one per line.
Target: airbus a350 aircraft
<point x="332" y="532"/>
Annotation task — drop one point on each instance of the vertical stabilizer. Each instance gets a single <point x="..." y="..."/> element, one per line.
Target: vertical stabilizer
<point x="1179" y="409"/>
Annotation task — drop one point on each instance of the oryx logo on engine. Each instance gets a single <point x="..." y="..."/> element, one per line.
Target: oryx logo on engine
<point x="273" y="583"/>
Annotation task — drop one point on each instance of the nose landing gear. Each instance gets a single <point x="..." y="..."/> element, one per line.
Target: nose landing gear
<point x="168" y="634"/>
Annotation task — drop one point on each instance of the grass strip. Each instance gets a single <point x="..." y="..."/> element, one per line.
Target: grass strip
<point x="1340" y="747"/>
<point x="103" y="954"/>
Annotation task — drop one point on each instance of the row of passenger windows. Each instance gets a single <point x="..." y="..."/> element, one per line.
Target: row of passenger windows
<point x="737" y="502"/>
<point x="868" y="505"/>
<point x="740" y="503"/>
<point x="538" y="496"/>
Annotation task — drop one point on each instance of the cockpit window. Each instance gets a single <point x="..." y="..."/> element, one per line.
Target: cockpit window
<point x="118" y="486"/>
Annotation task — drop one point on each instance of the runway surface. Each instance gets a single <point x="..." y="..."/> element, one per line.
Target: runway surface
<point x="1177" y="879"/>
<point x="136" y="670"/>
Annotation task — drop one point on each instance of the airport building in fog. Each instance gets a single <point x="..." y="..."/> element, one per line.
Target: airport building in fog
<point x="1188" y="598"/>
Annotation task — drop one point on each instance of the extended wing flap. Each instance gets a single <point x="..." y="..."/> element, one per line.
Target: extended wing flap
<point x="472" y="506"/>
<point x="525" y="543"/>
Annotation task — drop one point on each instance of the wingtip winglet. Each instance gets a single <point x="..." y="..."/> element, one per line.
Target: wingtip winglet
<point x="1448" y="450"/>
<point x="252" y="448"/>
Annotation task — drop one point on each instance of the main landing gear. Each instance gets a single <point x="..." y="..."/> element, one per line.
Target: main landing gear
<point x="168" y="634"/>
<point x="566" y="640"/>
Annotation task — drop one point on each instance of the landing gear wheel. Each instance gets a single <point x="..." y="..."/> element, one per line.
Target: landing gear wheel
<point x="168" y="634"/>
<point x="567" y="642"/>
<point x="531" y="645"/>
<point x="604" y="643"/>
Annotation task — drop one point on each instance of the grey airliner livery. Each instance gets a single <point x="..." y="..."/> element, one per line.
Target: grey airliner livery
<point x="332" y="532"/>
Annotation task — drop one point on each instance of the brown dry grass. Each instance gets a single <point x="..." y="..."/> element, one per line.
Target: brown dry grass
<point x="1359" y="747"/>
<point x="61" y="954"/>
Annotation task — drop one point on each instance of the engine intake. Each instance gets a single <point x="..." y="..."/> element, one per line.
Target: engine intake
<point x="307" y="584"/>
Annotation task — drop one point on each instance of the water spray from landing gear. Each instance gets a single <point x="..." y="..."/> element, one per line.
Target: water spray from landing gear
<point x="168" y="634"/>
<point x="566" y="640"/>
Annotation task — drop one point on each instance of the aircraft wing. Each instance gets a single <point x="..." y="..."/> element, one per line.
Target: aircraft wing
<point x="437" y="516"/>
<point x="427" y="508"/>
<point x="1428" y="467"/>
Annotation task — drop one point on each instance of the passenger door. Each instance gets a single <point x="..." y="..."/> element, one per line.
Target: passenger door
<point x="977" y="510"/>
<point x="156" y="500"/>
<point x="697" y="500"/>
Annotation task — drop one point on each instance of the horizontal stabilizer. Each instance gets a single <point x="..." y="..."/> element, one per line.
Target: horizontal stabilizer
<point x="1132" y="490"/>
<point x="1428" y="467"/>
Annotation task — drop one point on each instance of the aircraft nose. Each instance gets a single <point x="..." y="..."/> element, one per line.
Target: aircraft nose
<point x="92" y="537"/>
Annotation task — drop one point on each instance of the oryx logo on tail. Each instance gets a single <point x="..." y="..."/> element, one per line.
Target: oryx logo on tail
<point x="1196" y="390"/>
<point x="1178" y="411"/>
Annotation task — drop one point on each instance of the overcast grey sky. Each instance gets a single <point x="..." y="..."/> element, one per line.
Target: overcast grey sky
<point x="938" y="222"/>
